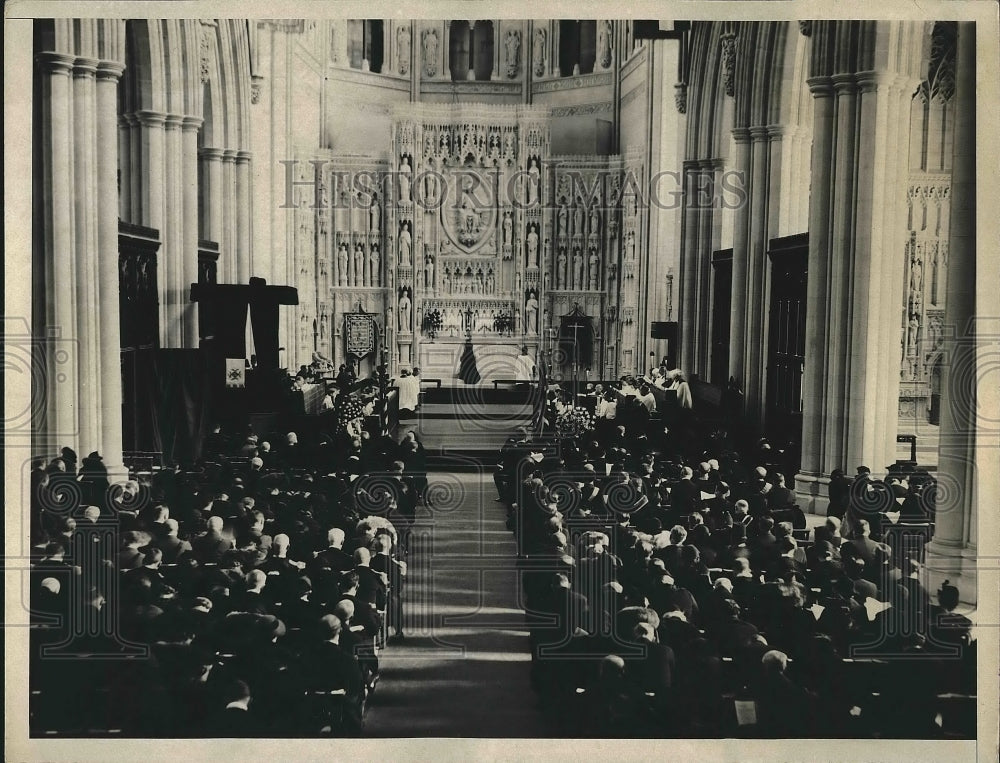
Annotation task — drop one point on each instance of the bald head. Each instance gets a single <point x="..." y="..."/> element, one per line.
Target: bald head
<point x="362" y="557"/>
<point x="774" y="661"/>
<point x="330" y="627"/>
<point x="344" y="610"/>
<point x="335" y="537"/>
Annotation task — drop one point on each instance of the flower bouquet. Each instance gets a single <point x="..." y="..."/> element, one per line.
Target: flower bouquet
<point x="574" y="422"/>
<point x="432" y="323"/>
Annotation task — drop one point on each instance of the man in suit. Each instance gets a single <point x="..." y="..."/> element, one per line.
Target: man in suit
<point x="333" y="668"/>
<point x="212" y="544"/>
<point x="173" y="547"/>
<point x="394" y="571"/>
<point x="862" y="547"/>
<point x="333" y="557"/>
<point x="784" y="709"/>
<point x="253" y="599"/>
<point x="654" y="671"/>
<point x="685" y="496"/>
<point x="372" y="585"/>
<point x="734" y="634"/>
<point x="780" y="497"/>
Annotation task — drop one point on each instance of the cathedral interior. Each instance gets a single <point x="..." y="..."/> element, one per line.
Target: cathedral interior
<point x="784" y="210"/>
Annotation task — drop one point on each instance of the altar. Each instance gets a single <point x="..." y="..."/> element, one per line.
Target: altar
<point x="475" y="232"/>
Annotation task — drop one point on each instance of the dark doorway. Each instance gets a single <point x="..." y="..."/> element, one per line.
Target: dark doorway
<point x="786" y="338"/>
<point x="722" y="300"/>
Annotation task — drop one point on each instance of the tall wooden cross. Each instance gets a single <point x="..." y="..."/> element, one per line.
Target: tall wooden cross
<point x="225" y="320"/>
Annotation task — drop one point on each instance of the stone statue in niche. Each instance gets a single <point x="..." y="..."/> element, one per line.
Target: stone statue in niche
<point x="405" y="171"/>
<point x="630" y="205"/>
<point x="532" y="246"/>
<point x="342" y="263"/>
<point x="404" y="312"/>
<point x="578" y="219"/>
<point x="578" y="269"/>
<point x="916" y="276"/>
<point x="604" y="43"/>
<point x="430" y="52"/>
<point x="533" y="179"/>
<point x="359" y="265"/>
<point x="446" y="281"/>
<point x="563" y="220"/>
<point x="508" y="229"/>
<point x="561" y="265"/>
<point x="531" y="314"/>
<point x="630" y="245"/>
<point x="405" y="243"/>
<point x="374" y="263"/>
<point x="594" y="261"/>
<point x="595" y="220"/>
<point x="538" y="52"/>
<point x="429" y="272"/>
<point x="403" y="49"/>
<point x="374" y="215"/>
<point x="513" y="45"/>
<point x="914" y="327"/>
<point x="491" y="284"/>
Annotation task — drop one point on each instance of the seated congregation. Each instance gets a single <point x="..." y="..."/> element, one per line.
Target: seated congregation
<point x="250" y="594"/>
<point x="672" y="587"/>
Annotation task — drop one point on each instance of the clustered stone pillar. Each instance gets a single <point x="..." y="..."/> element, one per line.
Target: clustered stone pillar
<point x="688" y="296"/>
<point x="751" y="235"/>
<point x="741" y="255"/>
<point x="952" y="552"/>
<point x="79" y="373"/>
<point x="860" y="150"/>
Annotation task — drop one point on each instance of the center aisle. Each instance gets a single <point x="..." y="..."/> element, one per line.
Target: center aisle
<point x="463" y="668"/>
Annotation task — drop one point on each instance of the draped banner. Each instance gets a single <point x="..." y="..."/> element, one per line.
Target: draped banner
<point x="468" y="369"/>
<point x="236" y="372"/>
<point x="360" y="332"/>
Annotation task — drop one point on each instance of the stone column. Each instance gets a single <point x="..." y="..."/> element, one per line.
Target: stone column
<point x="189" y="238"/>
<point x="707" y="237"/>
<point x="150" y="185"/>
<point x="952" y="552"/>
<point x="213" y="197"/>
<point x="811" y="483"/>
<point x="741" y="236"/>
<point x="60" y="370"/>
<point x="688" y="296"/>
<point x="85" y="275"/>
<point x="244" y="214"/>
<point x="228" y="244"/>
<point x="108" y="75"/>
<point x="858" y="148"/>
<point x="755" y="361"/>
<point x="171" y="233"/>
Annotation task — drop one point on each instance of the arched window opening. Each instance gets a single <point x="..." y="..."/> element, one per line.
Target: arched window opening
<point x="470" y="52"/>
<point x="569" y="48"/>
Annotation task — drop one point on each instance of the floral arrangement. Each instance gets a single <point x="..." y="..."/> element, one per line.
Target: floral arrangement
<point x="574" y="422"/>
<point x="349" y="408"/>
<point x="504" y="324"/>
<point x="432" y="323"/>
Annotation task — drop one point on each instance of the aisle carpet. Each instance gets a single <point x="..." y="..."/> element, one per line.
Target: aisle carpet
<point x="462" y="670"/>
